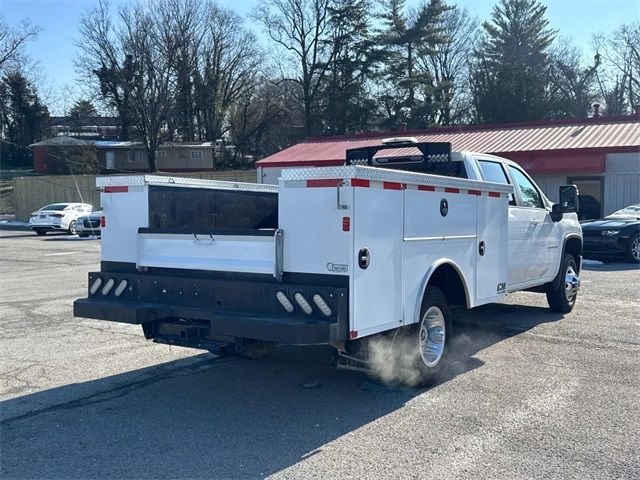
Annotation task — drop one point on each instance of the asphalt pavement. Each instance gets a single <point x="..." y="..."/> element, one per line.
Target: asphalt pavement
<point x="533" y="394"/>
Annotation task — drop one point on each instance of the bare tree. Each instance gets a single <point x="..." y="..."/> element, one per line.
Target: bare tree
<point x="448" y="63"/>
<point x="13" y="40"/>
<point x="300" y="27"/>
<point x="619" y="79"/>
<point x="228" y="60"/>
<point x="132" y="61"/>
<point x="151" y="83"/>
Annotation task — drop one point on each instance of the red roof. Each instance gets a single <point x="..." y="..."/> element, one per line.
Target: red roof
<point x="610" y="133"/>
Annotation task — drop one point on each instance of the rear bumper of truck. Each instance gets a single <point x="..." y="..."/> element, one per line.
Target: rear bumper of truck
<point x="199" y="309"/>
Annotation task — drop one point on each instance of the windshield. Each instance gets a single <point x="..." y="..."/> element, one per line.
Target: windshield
<point x="55" y="206"/>
<point x="630" y="211"/>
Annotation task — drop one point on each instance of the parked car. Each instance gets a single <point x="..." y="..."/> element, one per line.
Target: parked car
<point x="89" y="224"/>
<point x="58" y="217"/>
<point x="616" y="236"/>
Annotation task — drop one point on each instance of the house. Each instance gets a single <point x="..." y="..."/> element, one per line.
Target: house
<point x="601" y="155"/>
<point x="115" y="156"/>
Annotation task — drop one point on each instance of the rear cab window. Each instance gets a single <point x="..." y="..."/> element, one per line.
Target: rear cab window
<point x="494" y="172"/>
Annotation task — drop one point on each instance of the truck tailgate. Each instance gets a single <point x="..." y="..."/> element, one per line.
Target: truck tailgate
<point x="251" y="251"/>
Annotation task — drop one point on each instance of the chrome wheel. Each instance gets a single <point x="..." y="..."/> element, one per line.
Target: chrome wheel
<point x="432" y="336"/>
<point x="571" y="284"/>
<point x="635" y="249"/>
<point x="72" y="227"/>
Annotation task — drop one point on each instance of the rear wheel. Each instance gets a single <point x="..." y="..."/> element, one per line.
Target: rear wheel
<point x="633" y="249"/>
<point x="432" y="336"/>
<point x="563" y="290"/>
<point x="72" y="227"/>
<point x="40" y="232"/>
<point x="415" y="355"/>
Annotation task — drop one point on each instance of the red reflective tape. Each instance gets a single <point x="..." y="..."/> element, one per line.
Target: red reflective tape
<point x="359" y="182"/>
<point x="427" y="188"/>
<point x="116" y="189"/>
<point x="451" y="190"/>
<point x="392" y="185"/>
<point x="474" y="192"/>
<point x="494" y="194"/>
<point x="353" y="334"/>
<point x="346" y="224"/>
<point x="103" y="221"/>
<point x="330" y="182"/>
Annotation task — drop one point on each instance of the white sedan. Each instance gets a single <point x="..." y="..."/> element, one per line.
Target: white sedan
<point x="58" y="216"/>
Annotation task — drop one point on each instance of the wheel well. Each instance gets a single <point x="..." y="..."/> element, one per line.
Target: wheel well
<point x="573" y="247"/>
<point x="448" y="280"/>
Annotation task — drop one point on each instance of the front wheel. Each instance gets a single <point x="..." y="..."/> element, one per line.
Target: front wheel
<point x="563" y="290"/>
<point x="633" y="249"/>
<point x="40" y="232"/>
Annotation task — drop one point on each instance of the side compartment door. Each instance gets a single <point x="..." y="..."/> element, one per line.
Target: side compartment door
<point x="377" y="264"/>
<point x="492" y="253"/>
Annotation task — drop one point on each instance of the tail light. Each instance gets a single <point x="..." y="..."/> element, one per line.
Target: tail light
<point x="57" y="215"/>
<point x="103" y="221"/>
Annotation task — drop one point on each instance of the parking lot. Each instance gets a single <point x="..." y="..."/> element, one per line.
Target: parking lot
<point x="532" y="394"/>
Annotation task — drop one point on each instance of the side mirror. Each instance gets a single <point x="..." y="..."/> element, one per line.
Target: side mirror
<point x="556" y="212"/>
<point x="569" y="199"/>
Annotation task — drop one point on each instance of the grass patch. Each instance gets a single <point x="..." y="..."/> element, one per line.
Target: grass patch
<point x="6" y="197"/>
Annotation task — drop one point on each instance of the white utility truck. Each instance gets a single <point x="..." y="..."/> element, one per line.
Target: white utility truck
<point x="333" y="255"/>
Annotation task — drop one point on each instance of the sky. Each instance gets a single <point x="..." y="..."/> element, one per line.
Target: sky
<point x="55" y="49"/>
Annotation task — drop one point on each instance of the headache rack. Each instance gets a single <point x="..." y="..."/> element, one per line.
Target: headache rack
<point x="406" y="153"/>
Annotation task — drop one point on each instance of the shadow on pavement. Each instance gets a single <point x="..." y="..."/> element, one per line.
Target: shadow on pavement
<point x="219" y="418"/>
<point x="611" y="266"/>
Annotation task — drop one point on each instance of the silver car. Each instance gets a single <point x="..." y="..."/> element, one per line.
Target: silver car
<point x="89" y="224"/>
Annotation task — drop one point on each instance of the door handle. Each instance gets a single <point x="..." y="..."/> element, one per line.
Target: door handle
<point x="363" y="258"/>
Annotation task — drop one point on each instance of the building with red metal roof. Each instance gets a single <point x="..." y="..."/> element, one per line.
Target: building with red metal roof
<point x="599" y="154"/>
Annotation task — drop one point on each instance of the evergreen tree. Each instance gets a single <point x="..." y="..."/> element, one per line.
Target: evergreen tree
<point x="510" y="72"/>
<point x="408" y="96"/>
<point x="23" y="119"/>
<point x="345" y="103"/>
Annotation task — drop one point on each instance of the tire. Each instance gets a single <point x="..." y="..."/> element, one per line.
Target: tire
<point x="72" y="228"/>
<point x="633" y="249"/>
<point x="83" y="235"/>
<point x="402" y="357"/>
<point x="40" y="232"/>
<point x="563" y="291"/>
<point x="434" y="330"/>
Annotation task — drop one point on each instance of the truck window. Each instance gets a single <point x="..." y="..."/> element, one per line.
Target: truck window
<point x="493" y="172"/>
<point x="528" y="193"/>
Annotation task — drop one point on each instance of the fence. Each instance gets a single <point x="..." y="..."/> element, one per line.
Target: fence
<point x="32" y="193"/>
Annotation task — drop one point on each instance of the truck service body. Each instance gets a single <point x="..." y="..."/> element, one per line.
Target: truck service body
<point x="332" y="255"/>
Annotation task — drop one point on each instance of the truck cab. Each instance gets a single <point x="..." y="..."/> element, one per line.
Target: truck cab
<point x="537" y="242"/>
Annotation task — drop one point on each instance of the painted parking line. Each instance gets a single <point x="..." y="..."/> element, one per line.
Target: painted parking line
<point x="61" y="253"/>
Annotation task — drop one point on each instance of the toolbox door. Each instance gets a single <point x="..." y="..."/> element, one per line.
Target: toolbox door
<point x="492" y="248"/>
<point x="377" y="264"/>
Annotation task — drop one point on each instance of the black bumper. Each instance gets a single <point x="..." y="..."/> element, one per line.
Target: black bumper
<point x="218" y="308"/>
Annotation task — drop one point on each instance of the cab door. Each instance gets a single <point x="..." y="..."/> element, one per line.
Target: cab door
<point x="518" y="225"/>
<point x="540" y="229"/>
